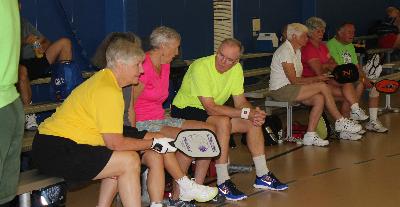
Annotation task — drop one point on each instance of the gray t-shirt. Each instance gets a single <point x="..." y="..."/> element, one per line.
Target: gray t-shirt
<point x="27" y="29"/>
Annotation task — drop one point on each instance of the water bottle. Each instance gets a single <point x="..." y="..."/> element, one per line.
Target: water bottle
<point x="36" y="47"/>
<point x="271" y="133"/>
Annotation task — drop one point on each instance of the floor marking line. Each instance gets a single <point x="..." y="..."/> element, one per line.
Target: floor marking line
<point x="365" y="161"/>
<point x="326" y="171"/>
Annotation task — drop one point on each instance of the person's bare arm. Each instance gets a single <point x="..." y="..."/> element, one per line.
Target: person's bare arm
<point x="290" y="73"/>
<point x="118" y="142"/>
<point x="320" y="68"/>
<point x="240" y="102"/>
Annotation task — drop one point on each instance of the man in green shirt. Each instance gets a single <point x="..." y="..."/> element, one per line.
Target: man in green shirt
<point x="342" y="50"/>
<point x="11" y="110"/>
<point x="209" y="82"/>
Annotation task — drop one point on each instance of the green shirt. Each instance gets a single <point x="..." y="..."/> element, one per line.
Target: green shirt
<point x="342" y="54"/>
<point x="10" y="42"/>
<point x="203" y="79"/>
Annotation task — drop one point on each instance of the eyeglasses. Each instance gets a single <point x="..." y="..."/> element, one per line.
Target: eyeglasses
<point x="222" y="57"/>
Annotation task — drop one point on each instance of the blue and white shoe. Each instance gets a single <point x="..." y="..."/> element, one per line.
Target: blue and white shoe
<point x="229" y="190"/>
<point x="269" y="181"/>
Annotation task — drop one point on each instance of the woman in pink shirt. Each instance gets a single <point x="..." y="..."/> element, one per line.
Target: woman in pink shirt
<point x="152" y="90"/>
<point x="316" y="60"/>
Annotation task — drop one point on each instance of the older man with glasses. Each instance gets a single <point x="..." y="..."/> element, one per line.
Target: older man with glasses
<point x="209" y="82"/>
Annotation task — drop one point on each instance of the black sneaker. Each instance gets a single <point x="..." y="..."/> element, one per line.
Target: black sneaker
<point x="218" y="199"/>
<point x="180" y="203"/>
<point x="229" y="190"/>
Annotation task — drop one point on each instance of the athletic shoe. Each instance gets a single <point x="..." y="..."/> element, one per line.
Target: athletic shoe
<point x="346" y="125"/>
<point x="30" y="122"/>
<point x="156" y="205"/>
<point x="313" y="139"/>
<point x="193" y="191"/>
<point x="358" y="114"/>
<point x="180" y="203"/>
<point x="218" y="199"/>
<point x="361" y="132"/>
<point x="229" y="190"/>
<point x="269" y="181"/>
<point x="376" y="126"/>
<point x="349" y="136"/>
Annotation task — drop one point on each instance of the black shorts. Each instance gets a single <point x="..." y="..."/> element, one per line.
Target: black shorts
<point x="62" y="157"/>
<point x="37" y="67"/>
<point x="189" y="113"/>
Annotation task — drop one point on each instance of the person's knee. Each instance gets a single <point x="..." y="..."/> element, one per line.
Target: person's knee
<point x="223" y="122"/>
<point x="66" y="42"/>
<point x="324" y="87"/>
<point x="318" y="100"/>
<point x="154" y="159"/>
<point x="131" y="161"/>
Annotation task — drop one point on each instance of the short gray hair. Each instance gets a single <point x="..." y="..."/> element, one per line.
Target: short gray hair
<point x="122" y="50"/>
<point x="295" y="29"/>
<point x="314" y="23"/>
<point x="162" y="35"/>
<point x="232" y="42"/>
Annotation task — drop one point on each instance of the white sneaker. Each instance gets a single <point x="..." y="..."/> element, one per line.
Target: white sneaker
<point x="346" y="125"/>
<point x="358" y="114"/>
<point x="376" y="126"/>
<point x="30" y="122"/>
<point x="361" y="132"/>
<point x="350" y="136"/>
<point x="190" y="190"/>
<point x="156" y="204"/>
<point x="313" y="139"/>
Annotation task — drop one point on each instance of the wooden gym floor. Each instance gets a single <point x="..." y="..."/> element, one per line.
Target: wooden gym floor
<point x="363" y="173"/>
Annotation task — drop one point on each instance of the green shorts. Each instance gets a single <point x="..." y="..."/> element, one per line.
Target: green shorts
<point x="287" y="93"/>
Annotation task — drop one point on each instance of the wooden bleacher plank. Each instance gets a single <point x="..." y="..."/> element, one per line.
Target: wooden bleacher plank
<point x="35" y="108"/>
<point x="255" y="55"/>
<point x="256" y="72"/>
<point x="40" y="81"/>
<point x="85" y="74"/>
<point x="32" y="180"/>
<point x="365" y="37"/>
<point x="393" y="76"/>
<point x="379" y="50"/>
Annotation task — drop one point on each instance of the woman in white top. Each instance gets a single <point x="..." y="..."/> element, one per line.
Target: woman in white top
<point x="286" y="84"/>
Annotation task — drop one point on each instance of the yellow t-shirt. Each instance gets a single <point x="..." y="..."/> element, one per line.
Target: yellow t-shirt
<point x="203" y="79"/>
<point x="94" y="107"/>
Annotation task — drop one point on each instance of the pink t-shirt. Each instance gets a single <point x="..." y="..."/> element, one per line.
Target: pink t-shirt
<point x="148" y="105"/>
<point x="309" y="51"/>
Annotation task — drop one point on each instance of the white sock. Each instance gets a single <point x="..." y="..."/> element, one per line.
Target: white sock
<point x="340" y="119"/>
<point x="311" y="133"/>
<point x="222" y="173"/>
<point x="156" y="204"/>
<point x="354" y="106"/>
<point x="373" y="114"/>
<point x="183" y="181"/>
<point x="261" y="165"/>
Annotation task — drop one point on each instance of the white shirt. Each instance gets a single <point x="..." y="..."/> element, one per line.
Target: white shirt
<point x="284" y="54"/>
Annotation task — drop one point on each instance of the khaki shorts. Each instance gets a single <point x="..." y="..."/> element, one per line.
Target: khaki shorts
<point x="287" y="93"/>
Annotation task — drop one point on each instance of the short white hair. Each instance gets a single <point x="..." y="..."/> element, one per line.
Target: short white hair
<point x="295" y="29"/>
<point x="123" y="51"/>
<point x="163" y="35"/>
